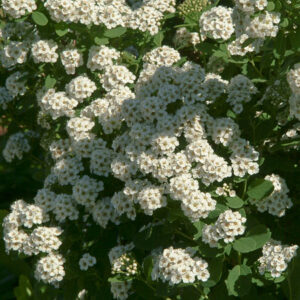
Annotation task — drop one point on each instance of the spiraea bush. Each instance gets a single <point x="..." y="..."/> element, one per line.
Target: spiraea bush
<point x="165" y="138"/>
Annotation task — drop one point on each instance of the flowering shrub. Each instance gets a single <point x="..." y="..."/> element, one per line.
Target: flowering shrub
<point x="167" y="135"/>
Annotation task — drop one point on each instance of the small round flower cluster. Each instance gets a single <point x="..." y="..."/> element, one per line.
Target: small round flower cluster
<point x="162" y="56"/>
<point x="50" y="269"/>
<point x="15" y="85"/>
<point x="227" y="227"/>
<point x="125" y="264"/>
<point x="115" y="77"/>
<point x="86" y="261"/>
<point x="188" y="7"/>
<point x="14" y="53"/>
<point x="44" y="51"/>
<point x="42" y="239"/>
<point x="184" y="38"/>
<point x="17" y="8"/>
<point x="275" y="258"/>
<point x="100" y="57"/>
<point x="57" y="104"/>
<point x="86" y="189"/>
<point x="81" y="88"/>
<point x="67" y="170"/>
<point x="257" y="27"/>
<point x="293" y="78"/>
<point x="65" y="208"/>
<point x="16" y="145"/>
<point x="240" y="90"/>
<point x="278" y="201"/>
<point x="120" y="290"/>
<point x="71" y="59"/>
<point x="179" y="265"/>
<point x="225" y="190"/>
<point x="217" y="23"/>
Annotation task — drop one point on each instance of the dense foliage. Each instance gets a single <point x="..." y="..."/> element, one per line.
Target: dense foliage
<point x="150" y="149"/>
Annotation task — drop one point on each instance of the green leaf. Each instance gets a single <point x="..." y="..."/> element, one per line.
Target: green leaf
<point x="198" y="226"/>
<point x="61" y="29"/>
<point x="116" y="278"/>
<point x="39" y="18"/>
<point x="147" y="266"/>
<point x="115" y="32"/>
<point x="244" y="245"/>
<point x="238" y="282"/>
<point x="260" y="188"/>
<point x="234" y="202"/>
<point x="101" y="41"/>
<point x="284" y="23"/>
<point x="158" y="38"/>
<point x="50" y="82"/>
<point x="260" y="234"/>
<point x="270" y="6"/>
<point x="24" y="290"/>
<point x="215" y="268"/>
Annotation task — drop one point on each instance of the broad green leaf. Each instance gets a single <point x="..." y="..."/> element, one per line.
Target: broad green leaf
<point x="238" y="282"/>
<point x="147" y="266"/>
<point x="101" y="41"/>
<point x="260" y="188"/>
<point x="158" y="38"/>
<point x="244" y="245"/>
<point x="198" y="226"/>
<point x="215" y="268"/>
<point x="61" y="29"/>
<point x="260" y="234"/>
<point x="39" y="18"/>
<point x="234" y="202"/>
<point x="24" y="290"/>
<point x="50" y="82"/>
<point x="115" y="32"/>
<point x="270" y="6"/>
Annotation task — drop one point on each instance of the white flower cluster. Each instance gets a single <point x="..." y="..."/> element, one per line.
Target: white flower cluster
<point x="162" y="56"/>
<point x="50" y="269"/>
<point x="217" y="23"/>
<point x="278" y="201"/>
<point x="14" y="53"/>
<point x="17" y="8"/>
<point x="100" y="57"/>
<point x="86" y="261"/>
<point x="240" y="89"/>
<point x="293" y="78"/>
<point x="17" y="41"/>
<point x="41" y="239"/>
<point x="44" y="51"/>
<point x="15" y="85"/>
<point x="71" y="59"/>
<point x="86" y="190"/>
<point x="120" y="289"/>
<point x="179" y="265"/>
<point x="225" y="190"/>
<point x="275" y="258"/>
<point x="16" y="145"/>
<point x="121" y="261"/>
<point x="184" y="38"/>
<point x="57" y="104"/>
<point x="145" y="15"/>
<point x="81" y="88"/>
<point x="227" y="227"/>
